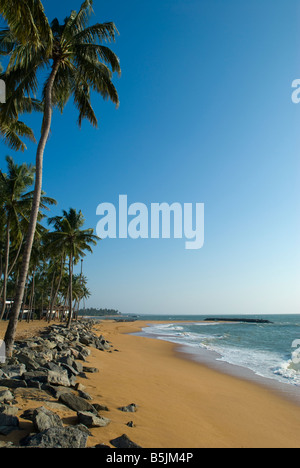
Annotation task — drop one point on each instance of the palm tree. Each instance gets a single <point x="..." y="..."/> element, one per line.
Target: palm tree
<point x="78" y="63"/>
<point x="56" y="255"/>
<point x="15" y="206"/>
<point x="76" y="241"/>
<point x="16" y="202"/>
<point x="27" y="22"/>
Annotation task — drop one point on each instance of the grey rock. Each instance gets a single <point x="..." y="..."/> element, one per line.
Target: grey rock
<point x="100" y="407"/>
<point x="129" y="409"/>
<point x="57" y="437"/>
<point x="9" y="410"/>
<point x="36" y="376"/>
<point x="124" y="442"/>
<point x="14" y="371"/>
<point x="76" y="403"/>
<point x="28" y="359"/>
<point x="6" y="430"/>
<point x="43" y="419"/>
<point x="84" y="395"/>
<point x="91" y="370"/>
<point x="6" y="395"/>
<point x="8" y="420"/>
<point x="13" y="383"/>
<point x="59" y="378"/>
<point x="28" y="414"/>
<point x="91" y="420"/>
<point x="130" y="424"/>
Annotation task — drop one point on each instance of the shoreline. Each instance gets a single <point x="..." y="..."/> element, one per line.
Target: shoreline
<point x="180" y="403"/>
<point x="188" y="404"/>
<point x="210" y="360"/>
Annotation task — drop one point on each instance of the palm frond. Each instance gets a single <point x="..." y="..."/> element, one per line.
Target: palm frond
<point x="103" y="32"/>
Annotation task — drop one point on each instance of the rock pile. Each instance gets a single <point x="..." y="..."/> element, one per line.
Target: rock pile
<point x="51" y="363"/>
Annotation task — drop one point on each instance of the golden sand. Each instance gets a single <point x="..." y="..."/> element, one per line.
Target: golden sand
<point x="181" y="404"/>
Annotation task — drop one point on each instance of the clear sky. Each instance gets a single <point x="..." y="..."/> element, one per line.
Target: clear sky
<point x="206" y="116"/>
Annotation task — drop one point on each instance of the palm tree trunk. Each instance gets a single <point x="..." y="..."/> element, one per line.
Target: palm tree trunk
<point x="5" y="270"/>
<point x="70" y="291"/>
<point x="53" y="302"/>
<point x="13" y="322"/>
<point x="49" y="315"/>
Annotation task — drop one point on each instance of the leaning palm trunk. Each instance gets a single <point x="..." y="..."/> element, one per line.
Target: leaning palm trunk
<point x="53" y="301"/>
<point x="70" y="291"/>
<point x="5" y="271"/>
<point x="12" y="325"/>
<point x="11" y="267"/>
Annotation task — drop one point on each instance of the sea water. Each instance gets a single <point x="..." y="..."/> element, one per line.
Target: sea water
<point x="264" y="349"/>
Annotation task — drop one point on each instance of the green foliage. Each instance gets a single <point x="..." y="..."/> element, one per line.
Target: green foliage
<point x="92" y="312"/>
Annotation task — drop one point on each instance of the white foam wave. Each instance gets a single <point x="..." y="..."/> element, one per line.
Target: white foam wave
<point x="263" y="363"/>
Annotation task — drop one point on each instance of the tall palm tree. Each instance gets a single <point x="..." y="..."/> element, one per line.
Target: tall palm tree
<point x="16" y="202"/>
<point x="13" y="188"/>
<point x="75" y="240"/>
<point x="27" y="22"/>
<point x="56" y="254"/>
<point x="78" y="63"/>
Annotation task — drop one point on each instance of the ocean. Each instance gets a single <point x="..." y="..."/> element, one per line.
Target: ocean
<point x="255" y="351"/>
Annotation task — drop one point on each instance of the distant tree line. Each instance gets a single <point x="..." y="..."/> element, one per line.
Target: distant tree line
<point x="92" y="312"/>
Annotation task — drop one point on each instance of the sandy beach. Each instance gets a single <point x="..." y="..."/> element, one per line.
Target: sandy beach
<point x="181" y="403"/>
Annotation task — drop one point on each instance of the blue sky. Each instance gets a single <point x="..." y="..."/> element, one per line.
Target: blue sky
<point x="206" y="117"/>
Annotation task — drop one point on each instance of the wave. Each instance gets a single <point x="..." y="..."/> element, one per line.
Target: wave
<point x="229" y="348"/>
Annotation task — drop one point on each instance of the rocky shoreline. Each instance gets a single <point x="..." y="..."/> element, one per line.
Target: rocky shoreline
<point x="46" y="366"/>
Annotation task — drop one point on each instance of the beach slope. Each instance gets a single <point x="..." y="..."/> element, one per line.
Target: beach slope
<point x="184" y="404"/>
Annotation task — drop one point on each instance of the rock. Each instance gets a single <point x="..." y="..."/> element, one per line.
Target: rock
<point x="28" y="359"/>
<point x="9" y="410"/>
<point x="76" y="403"/>
<point x="57" y="437"/>
<point x="43" y="419"/>
<point x="91" y="370"/>
<point x="56" y="391"/>
<point x="100" y="407"/>
<point x="5" y="395"/>
<point x="124" y="442"/>
<point x="84" y="395"/>
<point x="130" y="424"/>
<point x="6" y="430"/>
<point x="6" y="444"/>
<point x="13" y="383"/>
<point x="14" y="371"/>
<point x="129" y="409"/>
<point x="91" y="420"/>
<point x="59" y="378"/>
<point x="70" y="370"/>
<point x="28" y="414"/>
<point x="8" y="420"/>
<point x="80" y="387"/>
<point x="36" y="376"/>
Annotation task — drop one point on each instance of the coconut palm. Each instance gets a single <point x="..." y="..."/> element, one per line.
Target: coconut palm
<point x="69" y="233"/>
<point x="27" y="22"/>
<point x="16" y="202"/>
<point x="13" y="188"/>
<point x="79" y="63"/>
